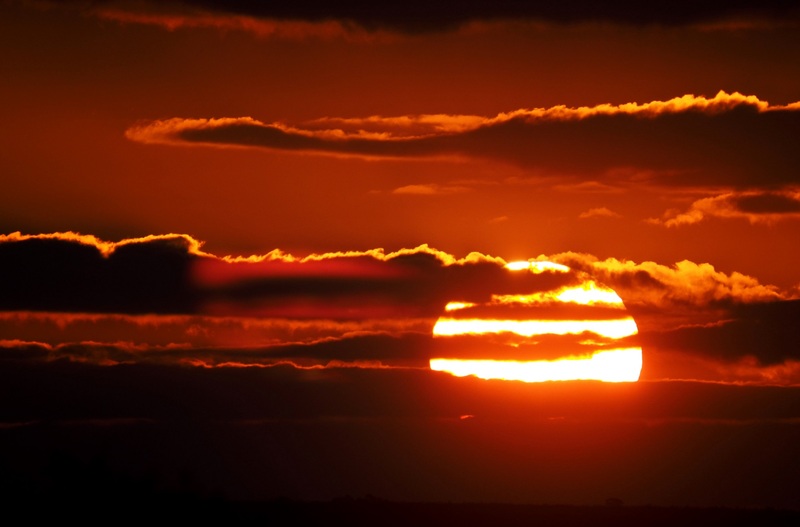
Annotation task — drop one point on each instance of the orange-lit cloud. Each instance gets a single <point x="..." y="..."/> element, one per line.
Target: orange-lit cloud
<point x="755" y="207"/>
<point x="599" y="212"/>
<point x="685" y="283"/>
<point x="661" y="140"/>
<point x="430" y="189"/>
<point x="695" y="309"/>
<point x="162" y="297"/>
<point x="106" y="248"/>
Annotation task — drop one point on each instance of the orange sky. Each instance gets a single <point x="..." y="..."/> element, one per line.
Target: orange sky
<point x="302" y="189"/>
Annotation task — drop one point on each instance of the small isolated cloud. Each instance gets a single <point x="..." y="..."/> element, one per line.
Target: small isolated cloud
<point x="588" y="187"/>
<point x="756" y="207"/>
<point x="430" y="189"/>
<point x="499" y="219"/>
<point x="599" y="212"/>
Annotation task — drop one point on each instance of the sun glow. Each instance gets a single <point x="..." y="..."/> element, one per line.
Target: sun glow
<point x="536" y="266"/>
<point x="588" y="320"/>
<point x="621" y="365"/>
<point x="614" y="329"/>
<point x="455" y="306"/>
<point x="589" y="293"/>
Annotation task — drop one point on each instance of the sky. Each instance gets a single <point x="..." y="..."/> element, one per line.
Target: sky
<point x="231" y="235"/>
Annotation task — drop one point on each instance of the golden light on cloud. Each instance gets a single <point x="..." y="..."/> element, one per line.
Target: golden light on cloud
<point x="588" y="320"/>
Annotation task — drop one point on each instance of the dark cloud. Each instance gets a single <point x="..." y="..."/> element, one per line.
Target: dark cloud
<point x="368" y="350"/>
<point x="324" y="301"/>
<point x="59" y="275"/>
<point x="170" y="275"/>
<point x="418" y="16"/>
<point x="767" y="332"/>
<point x="729" y="140"/>
<point x="765" y="207"/>
<point x="151" y="391"/>
<point x="255" y="433"/>
<point x="765" y="203"/>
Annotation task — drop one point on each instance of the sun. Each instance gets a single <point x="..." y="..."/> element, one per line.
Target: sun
<point x="566" y="326"/>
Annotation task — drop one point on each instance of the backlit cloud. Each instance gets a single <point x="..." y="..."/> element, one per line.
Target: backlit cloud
<point x="170" y="275"/>
<point x="677" y="142"/>
<point x="686" y="283"/>
<point x="755" y="207"/>
<point x="694" y="309"/>
<point x="162" y="299"/>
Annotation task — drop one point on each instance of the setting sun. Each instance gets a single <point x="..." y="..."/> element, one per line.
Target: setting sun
<point x="622" y="365"/>
<point x="313" y="258"/>
<point x="540" y="314"/>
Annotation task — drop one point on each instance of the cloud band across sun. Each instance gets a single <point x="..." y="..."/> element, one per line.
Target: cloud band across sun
<point x="162" y="299"/>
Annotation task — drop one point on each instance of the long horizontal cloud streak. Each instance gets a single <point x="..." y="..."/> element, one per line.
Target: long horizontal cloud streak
<point x="419" y="16"/>
<point x="768" y="331"/>
<point x="731" y="139"/>
<point x="367" y="350"/>
<point x="171" y="275"/>
<point x="264" y="392"/>
<point x="161" y="299"/>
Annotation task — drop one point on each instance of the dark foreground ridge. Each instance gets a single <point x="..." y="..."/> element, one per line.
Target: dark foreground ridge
<point x="371" y="511"/>
<point x="95" y="494"/>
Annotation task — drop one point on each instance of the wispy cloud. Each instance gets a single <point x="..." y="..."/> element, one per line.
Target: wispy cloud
<point x="430" y="189"/>
<point x="417" y="16"/>
<point x="599" y="212"/>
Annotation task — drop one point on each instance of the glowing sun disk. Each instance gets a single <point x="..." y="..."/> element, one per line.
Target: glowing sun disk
<point x="536" y="266"/>
<point x="615" y="329"/>
<point x="619" y="365"/>
<point x="590" y="293"/>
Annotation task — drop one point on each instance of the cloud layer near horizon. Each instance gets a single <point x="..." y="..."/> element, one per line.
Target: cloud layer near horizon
<point x="161" y="299"/>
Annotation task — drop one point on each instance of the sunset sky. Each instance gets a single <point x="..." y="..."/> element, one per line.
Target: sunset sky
<point x="228" y="231"/>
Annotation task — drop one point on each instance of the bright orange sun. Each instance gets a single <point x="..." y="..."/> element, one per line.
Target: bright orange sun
<point x="578" y="331"/>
